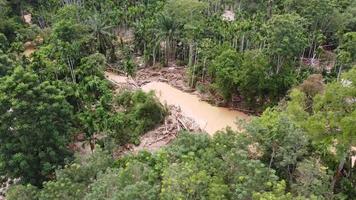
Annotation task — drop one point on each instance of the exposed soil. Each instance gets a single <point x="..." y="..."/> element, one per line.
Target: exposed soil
<point x="173" y="75"/>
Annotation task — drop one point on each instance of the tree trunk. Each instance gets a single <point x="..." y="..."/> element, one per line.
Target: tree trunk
<point x="154" y="56"/>
<point x="338" y="173"/>
<point x="272" y="157"/>
<point x="204" y="68"/>
<point x="191" y="49"/>
<point x="339" y="73"/>
<point x="269" y="8"/>
<point x="242" y="43"/>
<point x="166" y="52"/>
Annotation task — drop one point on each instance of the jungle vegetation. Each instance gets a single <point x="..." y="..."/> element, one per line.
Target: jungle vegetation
<point x="292" y="61"/>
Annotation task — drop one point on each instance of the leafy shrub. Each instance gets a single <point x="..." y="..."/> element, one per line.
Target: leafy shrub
<point x="22" y="192"/>
<point x="141" y="113"/>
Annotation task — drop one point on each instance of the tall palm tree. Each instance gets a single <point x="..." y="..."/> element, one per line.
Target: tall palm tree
<point x="168" y="29"/>
<point x="102" y="33"/>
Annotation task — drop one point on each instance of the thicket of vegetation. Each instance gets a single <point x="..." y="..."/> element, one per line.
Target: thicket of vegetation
<point x="300" y="53"/>
<point x="60" y="92"/>
<point x="287" y="153"/>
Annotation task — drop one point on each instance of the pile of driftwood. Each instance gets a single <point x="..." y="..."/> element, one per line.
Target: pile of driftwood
<point x="174" y="76"/>
<point x="161" y="136"/>
<point x="173" y="123"/>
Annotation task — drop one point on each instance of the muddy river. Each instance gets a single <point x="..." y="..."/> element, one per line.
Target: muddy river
<point x="210" y="118"/>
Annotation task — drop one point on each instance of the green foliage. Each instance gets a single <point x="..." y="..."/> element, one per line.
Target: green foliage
<point x="72" y="181"/>
<point x="283" y="141"/>
<point x="184" y="181"/>
<point x="333" y="114"/>
<point x="130" y="182"/>
<point x="347" y="50"/>
<point x="141" y="112"/>
<point x="277" y="193"/>
<point x="247" y="74"/>
<point x="226" y="67"/>
<point x="35" y="125"/>
<point x="22" y="192"/>
<point x="286" y="38"/>
<point x="213" y="169"/>
<point x="6" y="64"/>
<point x="61" y="90"/>
<point x="3" y="42"/>
<point x="253" y="81"/>
<point x="129" y="66"/>
<point x="312" y="180"/>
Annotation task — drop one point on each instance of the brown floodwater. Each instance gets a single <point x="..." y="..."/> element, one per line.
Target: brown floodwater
<point x="210" y="118"/>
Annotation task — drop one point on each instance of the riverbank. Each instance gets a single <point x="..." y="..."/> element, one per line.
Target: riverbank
<point x="186" y="110"/>
<point x="176" y="76"/>
<point x="173" y="92"/>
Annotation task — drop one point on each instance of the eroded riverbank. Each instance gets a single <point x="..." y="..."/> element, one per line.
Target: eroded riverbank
<point x="210" y="118"/>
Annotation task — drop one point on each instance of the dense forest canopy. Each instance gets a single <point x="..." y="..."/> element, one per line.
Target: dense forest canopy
<point x="290" y="63"/>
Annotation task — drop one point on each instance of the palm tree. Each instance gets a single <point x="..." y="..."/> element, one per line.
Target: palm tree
<point x="102" y="34"/>
<point x="168" y="29"/>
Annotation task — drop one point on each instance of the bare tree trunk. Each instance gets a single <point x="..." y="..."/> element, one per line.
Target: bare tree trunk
<point x="338" y="173"/>
<point x="70" y="64"/>
<point x="269" y="8"/>
<point x="272" y="157"/>
<point x="339" y="73"/>
<point x="242" y="43"/>
<point x="204" y="68"/>
<point x="191" y="49"/>
<point x="154" y="56"/>
<point x="167" y="53"/>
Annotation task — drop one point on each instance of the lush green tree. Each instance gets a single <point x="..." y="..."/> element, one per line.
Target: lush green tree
<point x="6" y="64"/>
<point x="284" y="143"/>
<point x="312" y="179"/>
<point x="277" y="193"/>
<point x="286" y="39"/>
<point x="35" y="126"/>
<point x="72" y="181"/>
<point x="142" y="113"/>
<point x="223" y="164"/>
<point x="3" y="42"/>
<point x="226" y="68"/>
<point x="253" y="78"/>
<point x="322" y="17"/>
<point x="134" y="181"/>
<point x="184" y="181"/>
<point x="346" y="52"/>
<point x="102" y="34"/>
<point x="189" y="14"/>
<point x="332" y="123"/>
<point x="19" y="192"/>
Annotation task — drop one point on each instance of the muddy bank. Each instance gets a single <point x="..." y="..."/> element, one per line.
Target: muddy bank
<point x="174" y="76"/>
<point x="209" y="118"/>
